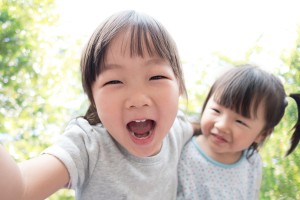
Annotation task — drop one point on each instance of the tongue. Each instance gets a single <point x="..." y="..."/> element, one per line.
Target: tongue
<point x="140" y="127"/>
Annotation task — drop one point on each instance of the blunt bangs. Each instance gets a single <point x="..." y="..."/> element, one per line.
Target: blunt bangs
<point x="142" y="33"/>
<point x="242" y="91"/>
<point x="148" y="37"/>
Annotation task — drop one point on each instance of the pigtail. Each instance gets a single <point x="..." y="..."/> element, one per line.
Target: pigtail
<point x="296" y="135"/>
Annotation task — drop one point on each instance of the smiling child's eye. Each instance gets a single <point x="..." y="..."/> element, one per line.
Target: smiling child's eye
<point x="158" y="77"/>
<point x="112" y="82"/>
<point x="216" y="110"/>
<point x="241" y="122"/>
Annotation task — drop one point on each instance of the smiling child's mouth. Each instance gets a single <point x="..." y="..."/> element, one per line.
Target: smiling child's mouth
<point x="141" y="129"/>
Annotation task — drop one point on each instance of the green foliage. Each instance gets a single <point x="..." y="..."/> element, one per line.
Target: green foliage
<point x="63" y="194"/>
<point x="282" y="174"/>
<point x="39" y="85"/>
<point x="20" y="60"/>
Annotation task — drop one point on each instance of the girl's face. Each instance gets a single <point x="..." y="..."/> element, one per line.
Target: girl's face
<point x="226" y="133"/>
<point x="136" y="98"/>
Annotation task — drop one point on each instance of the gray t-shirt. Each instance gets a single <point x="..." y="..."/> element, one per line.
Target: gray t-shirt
<point x="100" y="168"/>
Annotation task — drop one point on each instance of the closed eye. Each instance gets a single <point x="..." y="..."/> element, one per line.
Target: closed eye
<point x="242" y="123"/>
<point x="216" y="110"/>
<point x="158" y="77"/>
<point x="113" y="82"/>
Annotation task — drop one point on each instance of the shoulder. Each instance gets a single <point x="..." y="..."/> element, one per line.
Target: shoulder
<point x="80" y="126"/>
<point x="181" y="130"/>
<point x="79" y="123"/>
<point x="80" y="135"/>
<point x="254" y="159"/>
<point x="81" y="147"/>
<point x="182" y="125"/>
<point x="253" y="166"/>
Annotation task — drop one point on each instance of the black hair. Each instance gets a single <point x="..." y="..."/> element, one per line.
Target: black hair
<point x="243" y="88"/>
<point x="296" y="135"/>
<point x="146" y="35"/>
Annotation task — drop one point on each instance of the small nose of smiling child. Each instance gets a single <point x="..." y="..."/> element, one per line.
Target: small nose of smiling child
<point x="138" y="100"/>
<point x="222" y="124"/>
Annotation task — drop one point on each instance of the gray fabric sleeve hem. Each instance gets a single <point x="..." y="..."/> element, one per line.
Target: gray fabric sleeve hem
<point x="67" y="160"/>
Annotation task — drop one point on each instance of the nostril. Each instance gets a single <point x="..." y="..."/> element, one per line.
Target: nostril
<point x="138" y="101"/>
<point x="138" y="106"/>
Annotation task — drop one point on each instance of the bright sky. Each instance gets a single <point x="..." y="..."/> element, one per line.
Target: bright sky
<point x="201" y="27"/>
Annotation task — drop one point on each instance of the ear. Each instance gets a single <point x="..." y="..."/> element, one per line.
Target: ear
<point x="263" y="135"/>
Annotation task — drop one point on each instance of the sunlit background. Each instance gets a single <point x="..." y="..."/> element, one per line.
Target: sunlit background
<point x="203" y="30"/>
<point x="200" y="28"/>
<point x="41" y="42"/>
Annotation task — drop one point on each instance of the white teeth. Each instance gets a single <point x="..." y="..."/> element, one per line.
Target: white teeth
<point x="143" y="120"/>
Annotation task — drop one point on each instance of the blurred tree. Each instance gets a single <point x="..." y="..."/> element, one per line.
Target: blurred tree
<point x="22" y="99"/>
<point x="39" y="85"/>
<point x="282" y="174"/>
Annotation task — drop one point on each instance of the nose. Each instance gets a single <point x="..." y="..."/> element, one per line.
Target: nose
<point x="138" y="98"/>
<point x="222" y="124"/>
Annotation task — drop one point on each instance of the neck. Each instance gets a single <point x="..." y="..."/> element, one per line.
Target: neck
<point x="219" y="156"/>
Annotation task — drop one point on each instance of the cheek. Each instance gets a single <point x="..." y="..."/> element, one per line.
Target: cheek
<point x="105" y="105"/>
<point x="204" y="125"/>
<point x="168" y="102"/>
<point x="167" y="94"/>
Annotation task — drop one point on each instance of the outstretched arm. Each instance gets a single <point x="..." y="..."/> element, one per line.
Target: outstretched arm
<point x="33" y="179"/>
<point x="10" y="177"/>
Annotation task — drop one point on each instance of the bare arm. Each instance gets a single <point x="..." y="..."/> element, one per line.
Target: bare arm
<point x="37" y="178"/>
<point x="11" y="186"/>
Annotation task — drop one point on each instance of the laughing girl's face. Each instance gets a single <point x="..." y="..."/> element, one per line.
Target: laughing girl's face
<point x="136" y="98"/>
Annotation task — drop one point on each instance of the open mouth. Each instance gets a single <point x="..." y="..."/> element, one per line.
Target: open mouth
<point x="141" y="129"/>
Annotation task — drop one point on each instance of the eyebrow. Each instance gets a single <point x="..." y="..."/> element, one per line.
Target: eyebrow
<point x="149" y="62"/>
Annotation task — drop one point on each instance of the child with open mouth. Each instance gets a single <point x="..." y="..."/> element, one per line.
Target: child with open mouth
<point x="128" y="144"/>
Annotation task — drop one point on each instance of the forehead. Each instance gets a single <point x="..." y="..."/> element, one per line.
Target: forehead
<point x="119" y="46"/>
<point x="120" y="54"/>
<point x="131" y="43"/>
